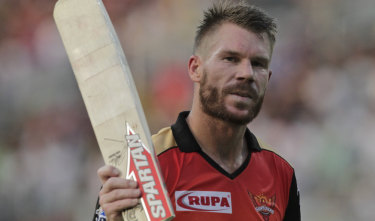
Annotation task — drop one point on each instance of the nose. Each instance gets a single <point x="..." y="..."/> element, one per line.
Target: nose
<point x="245" y="71"/>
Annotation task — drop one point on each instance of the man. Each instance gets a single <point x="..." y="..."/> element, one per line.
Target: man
<point x="213" y="166"/>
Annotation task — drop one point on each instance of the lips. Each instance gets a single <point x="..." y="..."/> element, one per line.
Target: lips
<point x="243" y="94"/>
<point x="249" y="93"/>
<point x="242" y="90"/>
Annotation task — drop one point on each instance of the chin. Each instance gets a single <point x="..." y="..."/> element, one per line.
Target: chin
<point x="237" y="117"/>
<point x="240" y="119"/>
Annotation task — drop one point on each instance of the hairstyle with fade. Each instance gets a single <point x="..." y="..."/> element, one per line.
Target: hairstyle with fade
<point x="240" y="13"/>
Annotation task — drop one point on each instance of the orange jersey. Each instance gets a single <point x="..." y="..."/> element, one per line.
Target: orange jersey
<point x="262" y="188"/>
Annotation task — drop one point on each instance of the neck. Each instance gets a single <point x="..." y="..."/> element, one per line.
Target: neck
<point x="220" y="140"/>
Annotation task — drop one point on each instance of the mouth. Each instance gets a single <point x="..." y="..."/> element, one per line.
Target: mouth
<point x="243" y="91"/>
<point x="241" y="98"/>
<point x="243" y="94"/>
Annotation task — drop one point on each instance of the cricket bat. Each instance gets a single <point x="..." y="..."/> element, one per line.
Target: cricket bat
<point x="112" y="102"/>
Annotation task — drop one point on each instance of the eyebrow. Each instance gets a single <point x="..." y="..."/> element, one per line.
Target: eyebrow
<point x="262" y="59"/>
<point x="259" y="58"/>
<point x="231" y="53"/>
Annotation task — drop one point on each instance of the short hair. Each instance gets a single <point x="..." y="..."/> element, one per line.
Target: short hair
<point x="240" y="13"/>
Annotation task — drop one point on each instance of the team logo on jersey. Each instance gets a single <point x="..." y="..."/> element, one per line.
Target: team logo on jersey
<point x="263" y="204"/>
<point x="204" y="201"/>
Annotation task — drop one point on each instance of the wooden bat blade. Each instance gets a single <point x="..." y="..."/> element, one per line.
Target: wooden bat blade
<point x="112" y="101"/>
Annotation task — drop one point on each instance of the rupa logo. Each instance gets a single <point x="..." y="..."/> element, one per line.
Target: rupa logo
<point x="204" y="201"/>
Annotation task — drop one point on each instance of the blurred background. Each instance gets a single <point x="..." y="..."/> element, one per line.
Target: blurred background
<point x="319" y="111"/>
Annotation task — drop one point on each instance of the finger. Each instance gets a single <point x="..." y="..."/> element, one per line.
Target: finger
<point x="118" y="183"/>
<point x="119" y="194"/>
<point x="107" y="171"/>
<point x="115" y="208"/>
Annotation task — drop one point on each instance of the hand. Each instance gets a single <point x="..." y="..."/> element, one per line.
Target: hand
<point x="117" y="193"/>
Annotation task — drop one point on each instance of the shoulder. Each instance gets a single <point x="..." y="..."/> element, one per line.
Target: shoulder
<point x="278" y="159"/>
<point x="273" y="158"/>
<point x="163" y="140"/>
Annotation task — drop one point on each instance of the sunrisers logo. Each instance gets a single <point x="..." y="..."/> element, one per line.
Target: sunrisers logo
<point x="204" y="201"/>
<point x="264" y="205"/>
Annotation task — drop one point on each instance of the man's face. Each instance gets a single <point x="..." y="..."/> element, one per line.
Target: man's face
<point x="235" y="73"/>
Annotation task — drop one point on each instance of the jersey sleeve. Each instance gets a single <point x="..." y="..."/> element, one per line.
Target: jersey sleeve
<point x="293" y="211"/>
<point x="99" y="214"/>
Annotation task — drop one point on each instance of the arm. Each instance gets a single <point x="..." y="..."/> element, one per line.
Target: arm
<point x="293" y="212"/>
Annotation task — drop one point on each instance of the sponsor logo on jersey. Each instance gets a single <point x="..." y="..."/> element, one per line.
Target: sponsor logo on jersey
<point x="204" y="201"/>
<point x="263" y="204"/>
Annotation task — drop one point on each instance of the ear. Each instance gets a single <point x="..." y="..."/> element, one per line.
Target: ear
<point x="195" y="68"/>
<point x="269" y="75"/>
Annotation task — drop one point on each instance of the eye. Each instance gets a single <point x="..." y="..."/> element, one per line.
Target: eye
<point x="260" y="64"/>
<point x="256" y="64"/>
<point x="232" y="59"/>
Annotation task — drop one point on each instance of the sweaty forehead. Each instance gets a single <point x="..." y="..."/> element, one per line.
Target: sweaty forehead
<point x="231" y="37"/>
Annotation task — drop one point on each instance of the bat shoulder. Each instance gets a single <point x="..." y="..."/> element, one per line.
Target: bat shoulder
<point x="163" y="140"/>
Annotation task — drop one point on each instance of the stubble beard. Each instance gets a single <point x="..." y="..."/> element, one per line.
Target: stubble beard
<point x="213" y="103"/>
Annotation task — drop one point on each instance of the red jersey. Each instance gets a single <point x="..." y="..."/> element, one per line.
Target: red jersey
<point x="262" y="188"/>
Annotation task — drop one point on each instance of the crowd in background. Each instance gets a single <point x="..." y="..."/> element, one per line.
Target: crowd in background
<point x="319" y="110"/>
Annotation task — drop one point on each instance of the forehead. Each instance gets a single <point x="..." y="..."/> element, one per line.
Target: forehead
<point x="231" y="37"/>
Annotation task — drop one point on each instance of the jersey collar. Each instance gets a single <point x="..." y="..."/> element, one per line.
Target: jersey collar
<point x="187" y="142"/>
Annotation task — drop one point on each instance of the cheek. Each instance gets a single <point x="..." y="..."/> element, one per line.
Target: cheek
<point x="262" y="80"/>
<point x="214" y="80"/>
